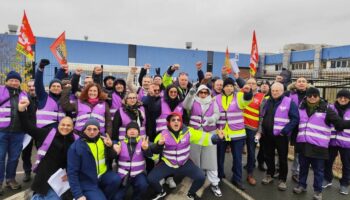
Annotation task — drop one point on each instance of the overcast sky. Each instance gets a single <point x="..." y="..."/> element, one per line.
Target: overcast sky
<point x="208" y="24"/>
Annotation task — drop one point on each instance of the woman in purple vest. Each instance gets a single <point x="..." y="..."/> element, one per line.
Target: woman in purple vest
<point x="52" y="145"/>
<point x="204" y="115"/>
<point x="340" y="142"/>
<point x="131" y="162"/>
<point x="296" y="91"/>
<point x="118" y="94"/>
<point x="316" y="118"/>
<point x="49" y="111"/>
<point x="91" y="103"/>
<point x="131" y="110"/>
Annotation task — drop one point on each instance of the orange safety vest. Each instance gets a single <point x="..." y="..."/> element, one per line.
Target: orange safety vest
<point x="251" y="112"/>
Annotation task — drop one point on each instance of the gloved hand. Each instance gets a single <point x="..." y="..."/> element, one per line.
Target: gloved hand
<point x="193" y="91"/>
<point x="43" y="63"/>
<point x="158" y="71"/>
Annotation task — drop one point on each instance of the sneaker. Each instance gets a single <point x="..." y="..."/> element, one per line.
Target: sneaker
<point x="192" y="196"/>
<point x="268" y="179"/>
<point x="171" y="183"/>
<point x="317" y="196"/>
<point x="299" y="189"/>
<point x="344" y="190"/>
<point x="326" y="184"/>
<point x="13" y="185"/>
<point x="282" y="186"/>
<point x="216" y="190"/>
<point x="27" y="177"/>
<point x="159" y="195"/>
<point x="251" y="180"/>
<point x="276" y="175"/>
<point x="295" y="178"/>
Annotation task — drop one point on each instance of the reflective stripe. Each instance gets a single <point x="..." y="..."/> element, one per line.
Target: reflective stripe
<point x="160" y="120"/>
<point x="180" y="158"/>
<point x="5" y="109"/>
<point x="85" y="116"/>
<point x="5" y="119"/>
<point x="121" y="137"/>
<point x="346" y="131"/>
<point x="113" y="110"/>
<point x="51" y="113"/>
<point x="195" y="123"/>
<point x="41" y="152"/>
<point x="134" y="173"/>
<point x="237" y="135"/>
<point x="133" y="164"/>
<point x="124" y="129"/>
<point x="232" y="114"/>
<point x="250" y="117"/>
<point x="252" y="110"/>
<point x="101" y="162"/>
<point x="342" y="138"/>
<point x="98" y="116"/>
<point x="196" y="117"/>
<point x="277" y="119"/>
<point x="278" y="127"/>
<point x="231" y="121"/>
<point x="315" y="127"/>
<point x="122" y="171"/>
<point x="161" y="128"/>
<point x="43" y="121"/>
<point x="333" y="137"/>
<point x="317" y="135"/>
<point x="177" y="152"/>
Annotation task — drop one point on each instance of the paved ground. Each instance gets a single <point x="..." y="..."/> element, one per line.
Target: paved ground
<point x="255" y="192"/>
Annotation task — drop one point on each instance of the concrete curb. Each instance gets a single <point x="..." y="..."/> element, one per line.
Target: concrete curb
<point x="240" y="192"/>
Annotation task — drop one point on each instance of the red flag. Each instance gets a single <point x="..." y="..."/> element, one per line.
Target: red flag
<point x="26" y="39"/>
<point x="228" y="65"/>
<point x="59" y="50"/>
<point x="254" y="56"/>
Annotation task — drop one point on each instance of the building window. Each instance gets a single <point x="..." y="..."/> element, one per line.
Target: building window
<point x="278" y="67"/>
<point x="340" y="63"/>
<point x="299" y="66"/>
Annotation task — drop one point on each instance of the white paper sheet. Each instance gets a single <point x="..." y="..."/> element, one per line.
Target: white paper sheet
<point x="234" y="65"/>
<point x="26" y="140"/>
<point x="56" y="183"/>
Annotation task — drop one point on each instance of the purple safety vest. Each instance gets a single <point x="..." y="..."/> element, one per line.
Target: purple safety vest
<point x="313" y="129"/>
<point x="140" y="93"/>
<point x="116" y="104"/>
<point x="340" y="138"/>
<point x="42" y="150"/>
<point x="126" y="120"/>
<point x="134" y="165"/>
<point x="5" y="108"/>
<point x="51" y="113"/>
<point x="85" y="112"/>
<point x="233" y="115"/>
<point x="161" y="121"/>
<point x="281" y="116"/>
<point x="176" y="153"/>
<point x="198" y="117"/>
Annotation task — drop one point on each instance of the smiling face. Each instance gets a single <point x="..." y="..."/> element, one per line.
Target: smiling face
<point x="146" y="81"/>
<point x="56" y="88"/>
<point x="203" y="93"/>
<point x="65" y="126"/>
<point x="157" y="80"/>
<point x="119" y="87"/>
<point x="132" y="133"/>
<point x="131" y="99"/>
<point x="173" y="93"/>
<point x="228" y="89"/>
<point x="343" y="100"/>
<point x="14" y="83"/>
<point x="93" y="92"/>
<point x="301" y="84"/>
<point x="277" y="90"/>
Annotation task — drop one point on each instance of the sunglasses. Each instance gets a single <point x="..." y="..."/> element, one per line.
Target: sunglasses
<point x="203" y="92"/>
<point x="312" y="95"/>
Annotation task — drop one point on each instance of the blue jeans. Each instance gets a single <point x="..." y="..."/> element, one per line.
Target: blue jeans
<point x="139" y="185"/>
<point x="109" y="182"/>
<point x="10" y="145"/>
<point x="51" y="195"/>
<point x="251" y="145"/>
<point x="236" y="151"/>
<point x="318" y="168"/>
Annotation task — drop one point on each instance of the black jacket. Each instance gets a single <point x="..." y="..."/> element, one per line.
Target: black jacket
<point x="15" y="124"/>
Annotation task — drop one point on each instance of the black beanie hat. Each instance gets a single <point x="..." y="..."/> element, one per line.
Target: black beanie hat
<point x="13" y="75"/>
<point x="55" y="80"/>
<point x="91" y="121"/>
<point x="133" y="125"/>
<point x="108" y="77"/>
<point x="229" y="81"/>
<point x="312" y="91"/>
<point x="120" y="81"/>
<point x="343" y="93"/>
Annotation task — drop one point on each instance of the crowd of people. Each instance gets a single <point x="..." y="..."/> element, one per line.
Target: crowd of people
<point x="111" y="134"/>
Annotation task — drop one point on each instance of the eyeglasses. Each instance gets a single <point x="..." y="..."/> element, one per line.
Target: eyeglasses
<point x="132" y="98"/>
<point x="175" y="120"/>
<point x="173" y="92"/>
<point x="312" y="95"/>
<point x="203" y="92"/>
<point x="92" y="129"/>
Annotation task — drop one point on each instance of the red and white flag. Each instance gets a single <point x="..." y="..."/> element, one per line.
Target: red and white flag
<point x="26" y="39"/>
<point x="254" y="57"/>
<point x="59" y="50"/>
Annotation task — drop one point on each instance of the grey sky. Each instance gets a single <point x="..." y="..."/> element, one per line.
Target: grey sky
<point x="208" y="24"/>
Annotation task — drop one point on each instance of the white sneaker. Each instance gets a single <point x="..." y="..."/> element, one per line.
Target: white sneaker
<point x="161" y="182"/>
<point x="170" y="181"/>
<point x="216" y="190"/>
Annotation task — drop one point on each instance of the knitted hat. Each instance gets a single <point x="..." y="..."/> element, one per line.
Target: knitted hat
<point x="107" y="78"/>
<point x="13" y="75"/>
<point x="312" y="91"/>
<point x="343" y="93"/>
<point x="132" y="125"/>
<point x="55" y="80"/>
<point x="229" y="81"/>
<point x="92" y="121"/>
<point x="120" y="81"/>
